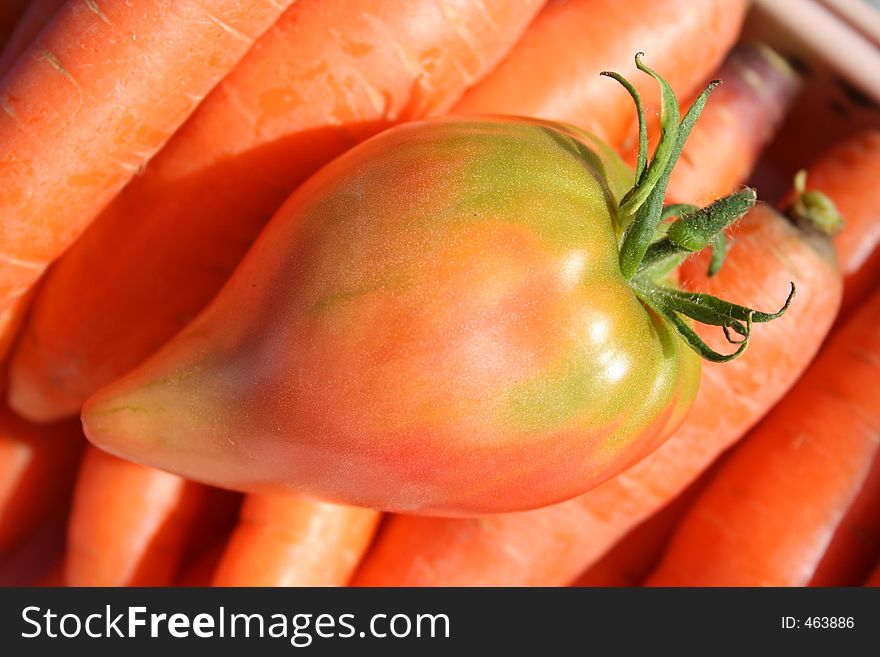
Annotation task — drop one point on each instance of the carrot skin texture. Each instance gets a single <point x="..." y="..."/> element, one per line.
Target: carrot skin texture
<point x="271" y="123"/>
<point x="550" y="546"/>
<point x="633" y="557"/>
<point x="553" y="73"/>
<point x="745" y="111"/>
<point x="284" y="540"/>
<point x="771" y="513"/>
<point x="130" y="524"/>
<point x="855" y="545"/>
<point x="848" y="173"/>
<point x="37" y="468"/>
<point x="33" y="20"/>
<point x="103" y="116"/>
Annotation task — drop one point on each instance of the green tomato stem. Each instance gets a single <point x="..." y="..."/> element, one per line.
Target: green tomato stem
<point x="647" y="255"/>
<point x="640" y="233"/>
<point x="677" y="210"/>
<point x="719" y="246"/>
<point x="669" y="117"/>
<point x="642" y="160"/>
<point x="698" y="228"/>
<point x="695" y="231"/>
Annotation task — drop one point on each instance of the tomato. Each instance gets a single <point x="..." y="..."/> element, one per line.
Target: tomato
<point x="437" y="322"/>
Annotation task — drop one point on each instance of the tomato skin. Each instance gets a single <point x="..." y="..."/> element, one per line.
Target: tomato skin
<point x="436" y="323"/>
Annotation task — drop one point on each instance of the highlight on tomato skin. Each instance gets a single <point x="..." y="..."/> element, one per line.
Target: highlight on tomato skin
<point x="436" y="322"/>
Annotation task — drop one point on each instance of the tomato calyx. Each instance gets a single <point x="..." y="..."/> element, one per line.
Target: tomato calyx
<point x="651" y="247"/>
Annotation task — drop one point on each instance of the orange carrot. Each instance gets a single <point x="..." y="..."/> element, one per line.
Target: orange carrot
<point x="553" y="72"/>
<point x="32" y="21"/>
<point x="848" y="174"/>
<point x="329" y="74"/>
<point x="550" y="546"/>
<point x="630" y="560"/>
<point x="287" y="541"/>
<point x="88" y="104"/>
<point x="742" y="116"/>
<point x="781" y="510"/>
<point x="856" y="543"/>
<point x="130" y="524"/>
<point x="200" y="571"/>
<point x="37" y="468"/>
<point x="635" y="555"/>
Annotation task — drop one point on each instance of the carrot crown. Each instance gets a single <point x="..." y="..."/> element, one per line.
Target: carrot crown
<point x="650" y="247"/>
<point x="813" y="208"/>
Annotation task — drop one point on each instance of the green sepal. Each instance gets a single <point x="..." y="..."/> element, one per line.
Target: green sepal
<point x="640" y="232"/>
<point x="695" y="231"/>
<point x="674" y="304"/>
<point x="719" y="247"/>
<point x="669" y="117"/>
<point x="642" y="160"/>
<point x="690" y="337"/>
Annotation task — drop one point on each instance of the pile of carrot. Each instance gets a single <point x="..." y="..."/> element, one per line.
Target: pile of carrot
<point x="143" y="149"/>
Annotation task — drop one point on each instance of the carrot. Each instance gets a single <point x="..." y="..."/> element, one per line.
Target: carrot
<point x="741" y="118"/>
<point x="37" y="468"/>
<point x="130" y="524"/>
<point x="32" y="21"/>
<point x="329" y="74"/>
<point x="553" y="72"/>
<point x="847" y="173"/>
<point x="550" y="546"/>
<point x="856" y="543"/>
<point x="200" y="571"/>
<point x="287" y="541"/>
<point x="635" y="555"/>
<point x="785" y="510"/>
<point x="630" y="560"/>
<point x="105" y="86"/>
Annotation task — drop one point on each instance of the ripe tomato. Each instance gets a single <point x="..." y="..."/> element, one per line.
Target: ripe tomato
<point x="444" y="320"/>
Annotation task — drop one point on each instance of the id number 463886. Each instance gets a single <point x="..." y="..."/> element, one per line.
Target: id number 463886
<point x="819" y="622"/>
